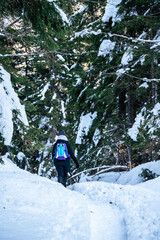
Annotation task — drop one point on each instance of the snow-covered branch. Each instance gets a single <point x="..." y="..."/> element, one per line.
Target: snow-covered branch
<point x="134" y="40"/>
<point x="17" y="54"/>
<point x="105" y="169"/>
<point x="41" y="53"/>
<point x="132" y="76"/>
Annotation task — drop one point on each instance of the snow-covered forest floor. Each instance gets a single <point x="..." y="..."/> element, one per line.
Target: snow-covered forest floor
<point x="33" y="207"/>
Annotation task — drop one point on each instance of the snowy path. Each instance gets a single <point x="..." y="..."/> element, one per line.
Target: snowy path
<point x="105" y="219"/>
<point x="33" y="207"/>
<point x="133" y="214"/>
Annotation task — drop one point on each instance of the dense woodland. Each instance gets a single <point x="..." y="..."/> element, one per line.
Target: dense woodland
<point x="91" y="68"/>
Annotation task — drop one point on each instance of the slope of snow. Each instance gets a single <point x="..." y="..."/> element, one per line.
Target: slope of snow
<point x="131" y="177"/>
<point x="136" y="209"/>
<point x="153" y="184"/>
<point x="105" y="218"/>
<point x="32" y="207"/>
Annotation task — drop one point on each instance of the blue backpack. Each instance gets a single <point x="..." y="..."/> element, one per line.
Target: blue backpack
<point x="61" y="151"/>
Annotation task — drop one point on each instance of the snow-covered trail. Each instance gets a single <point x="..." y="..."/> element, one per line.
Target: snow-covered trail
<point x="133" y="215"/>
<point x="106" y="222"/>
<point x="33" y="207"/>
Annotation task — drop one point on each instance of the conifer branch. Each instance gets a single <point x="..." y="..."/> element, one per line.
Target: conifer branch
<point x="132" y="76"/>
<point x="134" y="40"/>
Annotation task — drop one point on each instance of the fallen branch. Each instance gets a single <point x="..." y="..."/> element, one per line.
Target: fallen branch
<point x="123" y="168"/>
<point x="106" y="169"/>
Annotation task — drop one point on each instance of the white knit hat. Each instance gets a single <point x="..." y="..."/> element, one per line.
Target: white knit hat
<point x="62" y="137"/>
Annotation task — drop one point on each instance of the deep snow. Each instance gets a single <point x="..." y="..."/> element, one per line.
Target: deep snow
<point x="33" y="207"/>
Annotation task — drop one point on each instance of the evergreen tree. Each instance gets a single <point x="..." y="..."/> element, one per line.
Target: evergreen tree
<point x="31" y="31"/>
<point x="116" y="58"/>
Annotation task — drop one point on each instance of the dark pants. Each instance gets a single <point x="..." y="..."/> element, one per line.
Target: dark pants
<point x="62" y="171"/>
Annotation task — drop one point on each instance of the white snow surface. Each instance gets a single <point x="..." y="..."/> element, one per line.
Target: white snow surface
<point x="33" y="207"/>
<point x="96" y="136"/>
<point x="132" y="211"/>
<point x="9" y="101"/>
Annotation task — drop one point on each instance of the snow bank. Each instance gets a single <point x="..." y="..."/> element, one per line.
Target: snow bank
<point x="9" y="101"/>
<point x="153" y="185"/>
<point x="139" y="207"/>
<point x="132" y="177"/>
<point x="32" y="207"/>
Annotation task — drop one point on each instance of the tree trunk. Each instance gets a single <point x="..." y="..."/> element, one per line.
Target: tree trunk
<point x="122" y="105"/>
<point x="154" y="84"/>
<point x="131" y="104"/>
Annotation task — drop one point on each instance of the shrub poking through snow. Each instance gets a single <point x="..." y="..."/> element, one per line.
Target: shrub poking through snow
<point x="147" y="174"/>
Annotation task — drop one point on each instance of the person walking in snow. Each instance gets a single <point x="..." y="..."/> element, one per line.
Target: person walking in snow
<point x="61" y="155"/>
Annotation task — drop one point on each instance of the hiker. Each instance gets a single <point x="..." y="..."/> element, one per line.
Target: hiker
<point x="61" y="155"/>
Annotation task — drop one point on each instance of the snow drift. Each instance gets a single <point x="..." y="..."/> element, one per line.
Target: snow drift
<point x="32" y="207"/>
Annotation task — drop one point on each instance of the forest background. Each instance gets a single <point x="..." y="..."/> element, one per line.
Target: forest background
<point x="91" y="68"/>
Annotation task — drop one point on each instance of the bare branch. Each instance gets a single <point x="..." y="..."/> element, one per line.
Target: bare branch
<point x="15" y="21"/>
